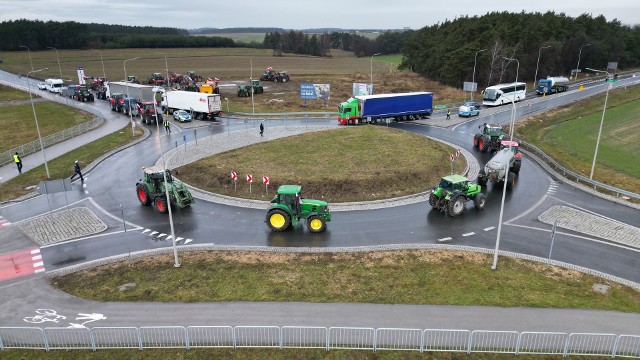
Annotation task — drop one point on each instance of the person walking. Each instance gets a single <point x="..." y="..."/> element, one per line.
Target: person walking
<point x="18" y="161"/>
<point x="448" y="114"/>
<point x="76" y="171"/>
<point x="167" y="126"/>
<point x="261" y="129"/>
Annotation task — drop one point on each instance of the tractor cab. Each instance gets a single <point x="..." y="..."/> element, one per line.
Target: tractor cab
<point x="491" y="130"/>
<point x="514" y="147"/>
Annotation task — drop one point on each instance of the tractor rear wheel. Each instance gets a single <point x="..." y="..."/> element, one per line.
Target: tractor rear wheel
<point x="316" y="224"/>
<point x="160" y="203"/>
<point x="511" y="180"/>
<point x="456" y="205"/>
<point x="284" y="79"/>
<point x="476" y="141"/>
<point x="483" y="145"/>
<point x="143" y="195"/>
<point x="278" y="220"/>
<point x="479" y="201"/>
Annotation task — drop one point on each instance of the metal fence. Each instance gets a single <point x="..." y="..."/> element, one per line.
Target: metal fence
<point x="313" y="337"/>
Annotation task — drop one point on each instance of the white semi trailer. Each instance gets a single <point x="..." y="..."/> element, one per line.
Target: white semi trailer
<point x="202" y="106"/>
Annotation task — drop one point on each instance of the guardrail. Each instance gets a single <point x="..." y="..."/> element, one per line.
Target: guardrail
<point x="315" y="337"/>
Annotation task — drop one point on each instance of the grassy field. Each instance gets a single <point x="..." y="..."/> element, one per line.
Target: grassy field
<point x="62" y="166"/>
<point x="234" y="66"/>
<point x="347" y="164"/>
<point x="569" y="135"/>
<point x="416" y="277"/>
<point x="8" y="93"/>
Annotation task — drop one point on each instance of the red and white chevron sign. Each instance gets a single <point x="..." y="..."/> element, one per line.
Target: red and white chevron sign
<point x="234" y="176"/>
<point x="451" y="157"/>
<point x="249" y="178"/>
<point x="458" y="153"/>
<point x="265" y="180"/>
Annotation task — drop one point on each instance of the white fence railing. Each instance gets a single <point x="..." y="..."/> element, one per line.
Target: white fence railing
<point x="313" y="337"/>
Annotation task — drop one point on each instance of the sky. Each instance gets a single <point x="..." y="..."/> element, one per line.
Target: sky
<point x="299" y="14"/>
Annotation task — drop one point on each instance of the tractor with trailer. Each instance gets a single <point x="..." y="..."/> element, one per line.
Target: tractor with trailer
<point x="453" y="192"/>
<point x="151" y="190"/>
<point x="147" y="112"/>
<point x="82" y="94"/>
<point x="504" y="166"/>
<point x="289" y="209"/>
<point x="244" y="90"/>
<point x="489" y="137"/>
<point x="155" y="79"/>
<point x="552" y="85"/>
<point x="98" y="83"/>
<point x="397" y="107"/>
<point x="275" y="76"/>
<point x="211" y="86"/>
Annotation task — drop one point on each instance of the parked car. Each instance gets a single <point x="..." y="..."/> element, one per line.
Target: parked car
<point x="468" y="111"/>
<point x="181" y="115"/>
<point x="42" y="86"/>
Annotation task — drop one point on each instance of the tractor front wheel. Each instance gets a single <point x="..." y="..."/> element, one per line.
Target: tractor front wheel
<point x="278" y="220"/>
<point x="160" y="203"/>
<point x="143" y="195"/>
<point x="479" y="201"/>
<point x="316" y="224"/>
<point x="433" y="200"/>
<point x="482" y="178"/>
<point x="456" y="205"/>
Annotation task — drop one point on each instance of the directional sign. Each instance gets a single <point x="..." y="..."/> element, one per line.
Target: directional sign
<point x="265" y="180"/>
<point x="441" y="106"/>
<point x="458" y="153"/>
<point x="234" y="176"/>
<point x="249" y="178"/>
<point x="451" y="157"/>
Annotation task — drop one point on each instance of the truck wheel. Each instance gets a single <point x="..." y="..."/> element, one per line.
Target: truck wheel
<point x="433" y="200"/>
<point x="160" y="203"/>
<point x="143" y="195"/>
<point x="456" y="206"/>
<point x="479" y="201"/>
<point x="516" y="167"/>
<point x="511" y="180"/>
<point x="482" y="178"/>
<point x="316" y="224"/>
<point x="350" y="122"/>
<point x="278" y="220"/>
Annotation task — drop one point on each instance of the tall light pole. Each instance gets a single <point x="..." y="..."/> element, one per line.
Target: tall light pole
<point x="166" y="66"/>
<point x="104" y="75"/>
<point x="535" y="77"/>
<point x="58" y="58"/>
<point x="30" y="61"/>
<point x="133" y="124"/>
<point x="506" y="169"/>
<point x="371" y="71"/>
<point x="176" y="262"/>
<point x="46" y="167"/>
<point x="253" y="109"/>
<point x="593" y="166"/>
<point x="579" y="54"/>
<point x="473" y="77"/>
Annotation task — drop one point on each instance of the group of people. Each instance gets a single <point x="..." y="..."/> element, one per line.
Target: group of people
<point x="76" y="168"/>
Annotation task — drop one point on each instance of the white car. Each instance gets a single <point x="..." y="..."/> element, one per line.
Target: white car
<point x="42" y="86"/>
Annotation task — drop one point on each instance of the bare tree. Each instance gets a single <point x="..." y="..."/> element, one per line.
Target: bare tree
<point x="495" y="52"/>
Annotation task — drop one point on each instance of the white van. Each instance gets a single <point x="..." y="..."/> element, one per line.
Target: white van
<point x="54" y="85"/>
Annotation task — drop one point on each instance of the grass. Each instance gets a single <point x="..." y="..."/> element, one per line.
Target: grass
<point x="52" y="118"/>
<point x="62" y="166"/>
<point x="334" y="168"/>
<point x="569" y="135"/>
<point x="416" y="277"/>
<point x="8" y="93"/>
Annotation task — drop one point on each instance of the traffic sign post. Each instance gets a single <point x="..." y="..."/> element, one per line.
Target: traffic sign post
<point x="249" y="180"/>
<point x="265" y="181"/>
<point x="553" y="236"/>
<point x="234" y="177"/>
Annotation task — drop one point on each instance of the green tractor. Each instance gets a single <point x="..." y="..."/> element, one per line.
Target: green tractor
<point x="489" y="137"/>
<point x="454" y="190"/>
<point x="288" y="208"/>
<point x="244" y="90"/>
<point x="150" y="189"/>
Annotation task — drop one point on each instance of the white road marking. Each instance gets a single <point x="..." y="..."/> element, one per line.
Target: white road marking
<point x="169" y="237"/>
<point x="188" y="241"/>
<point x="153" y="233"/>
<point x="146" y="230"/>
<point x="489" y="228"/>
<point x="35" y="251"/>
<point x="469" y="234"/>
<point x="161" y="235"/>
<point x="179" y="238"/>
<point x="37" y="257"/>
<point x="38" y="264"/>
<point x="445" y="239"/>
<point x="39" y="271"/>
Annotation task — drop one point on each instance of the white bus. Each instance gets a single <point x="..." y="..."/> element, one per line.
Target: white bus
<point x="54" y="85"/>
<point x="504" y="93"/>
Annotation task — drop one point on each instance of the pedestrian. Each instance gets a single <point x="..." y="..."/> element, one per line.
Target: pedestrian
<point x="76" y="171"/>
<point x="448" y="114"/>
<point x="261" y="129"/>
<point x="167" y="126"/>
<point x="18" y="161"/>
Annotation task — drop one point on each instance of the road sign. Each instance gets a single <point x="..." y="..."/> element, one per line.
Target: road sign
<point x="249" y="178"/>
<point x="441" y="106"/>
<point x="451" y="157"/>
<point x="234" y="176"/>
<point x="265" y="180"/>
<point x="458" y="153"/>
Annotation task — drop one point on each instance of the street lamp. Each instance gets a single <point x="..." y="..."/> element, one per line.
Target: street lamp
<point x="133" y="124"/>
<point x="593" y="166"/>
<point x="46" y="167"/>
<point x="506" y="169"/>
<point x="579" y="53"/>
<point x="227" y="100"/>
<point x="535" y="77"/>
<point x="371" y="71"/>
<point x="104" y="75"/>
<point x="166" y="66"/>
<point x="58" y="58"/>
<point x="30" y="61"/>
<point x="473" y="77"/>
<point x="253" y="109"/>
<point x="166" y="189"/>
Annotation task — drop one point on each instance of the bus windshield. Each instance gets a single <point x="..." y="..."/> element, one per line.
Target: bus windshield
<point x="491" y="94"/>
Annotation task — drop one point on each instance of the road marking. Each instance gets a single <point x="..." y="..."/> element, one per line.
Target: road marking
<point x="153" y="233"/>
<point x="20" y="263"/>
<point x="469" y="234"/>
<point x="162" y="234"/>
<point x="179" y="238"/>
<point x="445" y="239"/>
<point x="146" y="230"/>
<point x="489" y="228"/>
<point x="37" y="257"/>
<point x="188" y="241"/>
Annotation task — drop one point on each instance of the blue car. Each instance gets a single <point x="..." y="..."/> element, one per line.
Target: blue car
<point x="181" y="116"/>
<point x="468" y="111"/>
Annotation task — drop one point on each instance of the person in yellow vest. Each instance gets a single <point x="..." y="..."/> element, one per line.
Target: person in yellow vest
<point x="167" y="126"/>
<point x="18" y="161"/>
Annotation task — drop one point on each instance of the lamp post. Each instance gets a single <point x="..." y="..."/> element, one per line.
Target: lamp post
<point x="58" y="58"/>
<point x="371" y="71"/>
<point x="46" y="167"/>
<point x="227" y="100"/>
<point x="133" y="124"/>
<point x="253" y="109"/>
<point x="535" y="77"/>
<point x="176" y="262"/>
<point x="30" y="61"/>
<point x="506" y="169"/>
<point x="473" y="77"/>
<point x="593" y="166"/>
<point x="166" y="66"/>
<point x="104" y="75"/>
<point x="579" y="54"/>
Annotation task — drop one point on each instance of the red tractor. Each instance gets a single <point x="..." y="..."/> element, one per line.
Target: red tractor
<point x="98" y="83"/>
<point x="156" y="79"/>
<point x="148" y="112"/>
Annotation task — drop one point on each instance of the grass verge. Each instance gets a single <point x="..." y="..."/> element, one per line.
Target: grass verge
<point x="569" y="135"/>
<point x="348" y="164"/>
<point x="8" y="93"/>
<point x="62" y="166"/>
<point x="416" y="277"/>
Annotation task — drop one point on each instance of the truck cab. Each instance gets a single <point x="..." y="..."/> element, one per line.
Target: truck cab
<point x="348" y="112"/>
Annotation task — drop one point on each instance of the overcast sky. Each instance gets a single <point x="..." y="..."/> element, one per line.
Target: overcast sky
<point x="299" y="14"/>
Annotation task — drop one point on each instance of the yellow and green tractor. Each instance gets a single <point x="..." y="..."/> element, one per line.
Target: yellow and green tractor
<point x="289" y="209"/>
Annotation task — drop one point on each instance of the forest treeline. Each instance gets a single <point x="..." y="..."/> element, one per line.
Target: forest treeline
<point x="298" y="42"/>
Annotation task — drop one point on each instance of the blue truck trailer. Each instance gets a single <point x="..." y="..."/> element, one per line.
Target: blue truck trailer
<point x="373" y="108"/>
